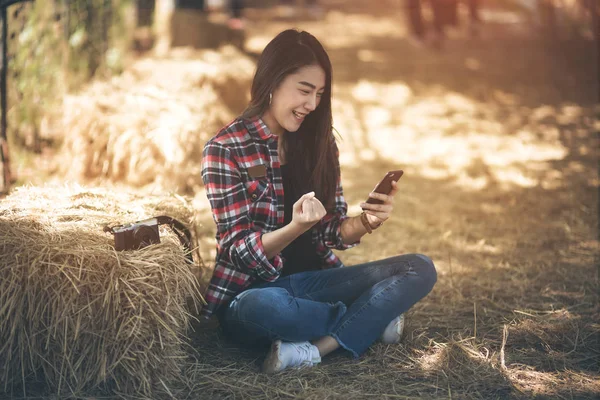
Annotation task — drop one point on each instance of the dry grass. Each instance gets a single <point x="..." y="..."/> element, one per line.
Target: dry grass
<point x="76" y="314"/>
<point x="500" y="189"/>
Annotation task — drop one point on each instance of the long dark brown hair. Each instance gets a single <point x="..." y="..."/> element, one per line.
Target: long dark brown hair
<point x="310" y="152"/>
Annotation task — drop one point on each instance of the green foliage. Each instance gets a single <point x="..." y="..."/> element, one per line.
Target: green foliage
<point x="55" y="47"/>
<point x="35" y="70"/>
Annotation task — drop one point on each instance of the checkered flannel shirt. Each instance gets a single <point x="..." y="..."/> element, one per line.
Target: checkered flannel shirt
<point x="245" y="206"/>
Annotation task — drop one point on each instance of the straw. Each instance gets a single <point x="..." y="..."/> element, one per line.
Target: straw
<point x="81" y="315"/>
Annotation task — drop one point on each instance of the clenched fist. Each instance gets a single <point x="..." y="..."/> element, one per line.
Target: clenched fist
<point x="307" y="211"/>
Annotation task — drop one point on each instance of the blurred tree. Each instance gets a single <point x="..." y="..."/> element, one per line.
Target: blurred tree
<point x="190" y="4"/>
<point x="53" y="47"/>
<point x="145" y="12"/>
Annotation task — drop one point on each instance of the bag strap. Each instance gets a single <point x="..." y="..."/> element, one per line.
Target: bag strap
<point x="182" y="232"/>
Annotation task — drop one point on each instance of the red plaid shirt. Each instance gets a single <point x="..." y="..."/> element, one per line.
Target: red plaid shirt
<point x="245" y="206"/>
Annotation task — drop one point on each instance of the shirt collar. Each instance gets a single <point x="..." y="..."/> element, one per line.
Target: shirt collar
<point x="258" y="129"/>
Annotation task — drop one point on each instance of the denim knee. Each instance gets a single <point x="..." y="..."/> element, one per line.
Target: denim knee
<point x="255" y="303"/>
<point x="426" y="270"/>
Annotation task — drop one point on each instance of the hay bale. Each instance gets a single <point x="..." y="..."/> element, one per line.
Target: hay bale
<point x="148" y="125"/>
<point x="81" y="315"/>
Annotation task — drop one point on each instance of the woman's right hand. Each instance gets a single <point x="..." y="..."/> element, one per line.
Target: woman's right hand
<point x="307" y="211"/>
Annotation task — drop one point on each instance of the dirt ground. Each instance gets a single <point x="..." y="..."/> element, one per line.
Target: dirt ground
<point x="499" y="139"/>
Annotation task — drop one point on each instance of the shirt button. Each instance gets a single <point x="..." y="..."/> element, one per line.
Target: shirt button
<point x="254" y="196"/>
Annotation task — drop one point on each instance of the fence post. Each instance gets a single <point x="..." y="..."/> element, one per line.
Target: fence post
<point x="6" y="173"/>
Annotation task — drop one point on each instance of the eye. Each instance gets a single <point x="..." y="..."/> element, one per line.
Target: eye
<point x="304" y="91"/>
<point x="320" y="94"/>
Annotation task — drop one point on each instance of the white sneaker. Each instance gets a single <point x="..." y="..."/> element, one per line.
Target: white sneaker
<point x="393" y="332"/>
<point x="290" y="355"/>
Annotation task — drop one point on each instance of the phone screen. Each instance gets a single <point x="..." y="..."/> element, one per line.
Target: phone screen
<point x="385" y="185"/>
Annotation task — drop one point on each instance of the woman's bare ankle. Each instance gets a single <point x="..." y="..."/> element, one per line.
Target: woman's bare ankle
<point x="326" y="345"/>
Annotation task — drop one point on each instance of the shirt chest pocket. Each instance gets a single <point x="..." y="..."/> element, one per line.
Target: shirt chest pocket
<point x="261" y="203"/>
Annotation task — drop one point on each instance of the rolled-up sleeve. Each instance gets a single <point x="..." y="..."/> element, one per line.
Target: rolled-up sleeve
<point x="331" y="224"/>
<point x="237" y="235"/>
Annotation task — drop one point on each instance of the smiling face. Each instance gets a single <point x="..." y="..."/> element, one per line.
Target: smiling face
<point x="297" y="95"/>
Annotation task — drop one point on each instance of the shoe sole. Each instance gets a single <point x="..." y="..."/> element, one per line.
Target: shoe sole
<point x="272" y="362"/>
<point x="401" y="327"/>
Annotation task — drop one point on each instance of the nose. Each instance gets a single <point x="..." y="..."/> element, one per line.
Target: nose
<point x="311" y="103"/>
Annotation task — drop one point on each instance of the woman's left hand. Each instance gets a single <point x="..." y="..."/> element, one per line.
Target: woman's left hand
<point x="378" y="213"/>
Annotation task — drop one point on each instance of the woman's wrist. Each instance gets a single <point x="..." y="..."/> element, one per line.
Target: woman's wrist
<point x="364" y="219"/>
<point x="365" y="222"/>
<point x="299" y="228"/>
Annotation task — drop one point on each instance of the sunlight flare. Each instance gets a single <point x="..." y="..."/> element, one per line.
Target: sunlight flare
<point x="447" y="135"/>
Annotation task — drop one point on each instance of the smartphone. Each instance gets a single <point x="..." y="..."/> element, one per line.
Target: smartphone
<point x="385" y="185"/>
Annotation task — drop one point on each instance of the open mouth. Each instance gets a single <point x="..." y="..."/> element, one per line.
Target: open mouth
<point x="299" y="115"/>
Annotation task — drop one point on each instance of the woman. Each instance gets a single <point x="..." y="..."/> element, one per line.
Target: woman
<point x="272" y="177"/>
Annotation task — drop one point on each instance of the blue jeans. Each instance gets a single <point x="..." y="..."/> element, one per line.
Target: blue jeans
<point x="352" y="304"/>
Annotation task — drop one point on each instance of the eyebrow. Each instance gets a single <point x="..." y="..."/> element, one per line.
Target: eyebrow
<point x="310" y="85"/>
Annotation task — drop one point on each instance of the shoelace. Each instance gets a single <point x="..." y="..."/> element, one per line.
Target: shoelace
<point x="302" y="354"/>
